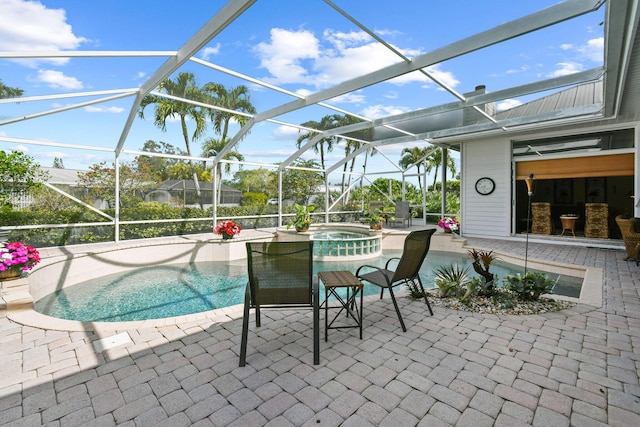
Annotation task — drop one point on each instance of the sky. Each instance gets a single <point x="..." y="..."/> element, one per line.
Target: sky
<point x="300" y="46"/>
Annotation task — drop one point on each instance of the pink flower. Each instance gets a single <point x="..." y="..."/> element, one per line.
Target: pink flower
<point x="18" y="254"/>
<point x="448" y="223"/>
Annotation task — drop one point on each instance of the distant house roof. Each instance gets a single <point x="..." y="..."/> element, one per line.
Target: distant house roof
<point x="60" y="176"/>
<point x="187" y="184"/>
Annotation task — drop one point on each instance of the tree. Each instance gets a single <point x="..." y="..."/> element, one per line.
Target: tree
<point x="353" y="145"/>
<point x="395" y="193"/>
<point x="435" y="161"/>
<point x="414" y="156"/>
<point x="300" y="185"/>
<point x="326" y="123"/>
<point x="212" y="147"/>
<point x="100" y="181"/>
<point x="158" y="169"/>
<point x="19" y="173"/>
<point x="260" y="180"/>
<point x="9" y="92"/>
<point x="58" y="163"/>
<point x="184" y="86"/>
<point x="236" y="99"/>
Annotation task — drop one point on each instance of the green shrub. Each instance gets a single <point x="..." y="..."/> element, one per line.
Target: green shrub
<point x="528" y="286"/>
<point x="254" y="199"/>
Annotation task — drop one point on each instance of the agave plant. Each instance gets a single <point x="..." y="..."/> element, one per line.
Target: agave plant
<point x="452" y="280"/>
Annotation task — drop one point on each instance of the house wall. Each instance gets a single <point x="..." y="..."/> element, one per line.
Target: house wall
<point x="491" y="214"/>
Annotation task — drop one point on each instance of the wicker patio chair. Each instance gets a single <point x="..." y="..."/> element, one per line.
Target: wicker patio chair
<point x="280" y="277"/>
<point x="630" y="236"/>
<point x="596" y="220"/>
<point x="416" y="247"/>
<point x="541" y="222"/>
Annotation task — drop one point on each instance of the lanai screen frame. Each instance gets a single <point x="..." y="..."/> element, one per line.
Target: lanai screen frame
<point x="618" y="48"/>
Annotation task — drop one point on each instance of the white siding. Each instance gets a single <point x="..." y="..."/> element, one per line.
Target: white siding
<point x="486" y="215"/>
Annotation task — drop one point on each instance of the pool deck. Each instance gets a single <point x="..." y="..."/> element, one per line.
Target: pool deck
<point x="575" y="367"/>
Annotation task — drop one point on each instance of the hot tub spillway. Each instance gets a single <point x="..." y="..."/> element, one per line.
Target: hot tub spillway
<point x="339" y="243"/>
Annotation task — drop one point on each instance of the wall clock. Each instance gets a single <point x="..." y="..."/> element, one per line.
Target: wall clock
<point x="485" y="186"/>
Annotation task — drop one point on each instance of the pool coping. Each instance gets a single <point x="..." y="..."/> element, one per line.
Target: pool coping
<point x="24" y="314"/>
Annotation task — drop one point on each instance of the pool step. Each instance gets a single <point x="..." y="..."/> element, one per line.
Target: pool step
<point x="15" y="294"/>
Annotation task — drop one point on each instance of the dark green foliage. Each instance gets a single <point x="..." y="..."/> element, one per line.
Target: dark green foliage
<point x="18" y="173"/>
<point x="528" y="286"/>
<point x="254" y="199"/>
<point x="415" y="293"/>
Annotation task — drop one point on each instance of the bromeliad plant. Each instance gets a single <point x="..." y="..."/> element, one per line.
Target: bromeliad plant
<point x="227" y="228"/>
<point x="482" y="260"/>
<point x="16" y="256"/>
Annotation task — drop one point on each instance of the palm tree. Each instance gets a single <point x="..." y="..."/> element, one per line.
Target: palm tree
<point x="9" y="92"/>
<point x="326" y="123"/>
<point x="414" y="156"/>
<point x="184" y="86"/>
<point x="353" y="145"/>
<point x="435" y="161"/>
<point x="236" y="99"/>
<point x="211" y="147"/>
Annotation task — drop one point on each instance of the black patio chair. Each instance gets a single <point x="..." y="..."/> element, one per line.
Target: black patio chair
<point x="416" y="246"/>
<point x="281" y="277"/>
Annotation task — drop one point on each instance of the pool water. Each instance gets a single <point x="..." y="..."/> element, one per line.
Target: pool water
<point x="174" y="290"/>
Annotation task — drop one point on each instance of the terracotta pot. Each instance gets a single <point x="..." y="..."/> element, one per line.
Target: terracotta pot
<point x="446" y="230"/>
<point x="376" y="226"/>
<point x="302" y="229"/>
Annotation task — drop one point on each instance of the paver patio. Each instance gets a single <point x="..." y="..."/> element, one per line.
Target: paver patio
<point x="575" y="367"/>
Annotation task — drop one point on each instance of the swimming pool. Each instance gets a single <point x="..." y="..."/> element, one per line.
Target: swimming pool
<point x="178" y="289"/>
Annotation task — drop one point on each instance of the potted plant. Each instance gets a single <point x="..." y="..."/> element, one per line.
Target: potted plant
<point x="227" y="229"/>
<point x="302" y="220"/>
<point x="16" y="257"/>
<point x="375" y="219"/>
<point x="448" y="224"/>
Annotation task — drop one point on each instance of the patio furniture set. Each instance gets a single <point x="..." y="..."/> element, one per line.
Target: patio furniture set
<point x="281" y="277"/>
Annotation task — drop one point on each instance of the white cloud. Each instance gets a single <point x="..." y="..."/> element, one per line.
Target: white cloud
<point x="284" y="55"/>
<point x="377" y="111"/>
<point x="29" y="25"/>
<point x="566" y="68"/>
<point x="286" y="132"/>
<point x="349" y="98"/>
<point x="299" y="57"/>
<point x="208" y="52"/>
<point x="57" y="79"/>
<point x="94" y="109"/>
<point x="507" y="104"/>
<point x="593" y="50"/>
